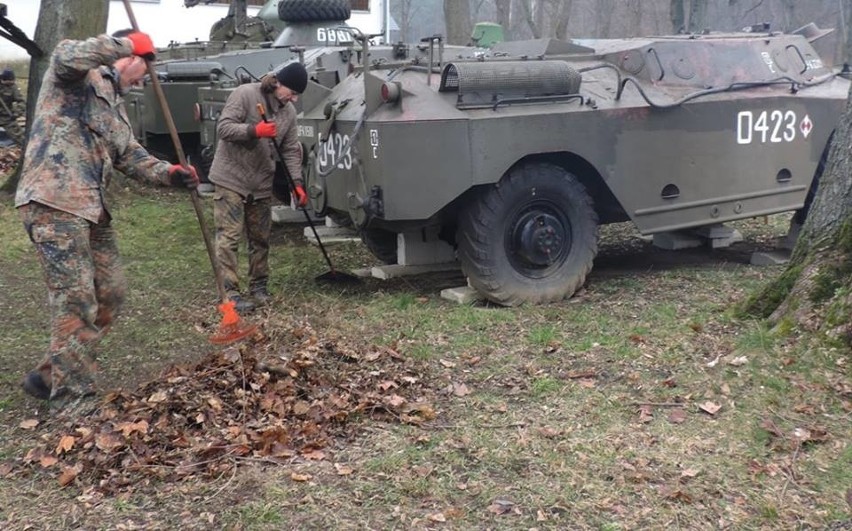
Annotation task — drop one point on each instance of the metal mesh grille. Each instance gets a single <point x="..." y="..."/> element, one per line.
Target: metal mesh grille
<point x="515" y="78"/>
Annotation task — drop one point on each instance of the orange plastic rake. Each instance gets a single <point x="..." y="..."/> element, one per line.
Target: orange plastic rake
<point x="232" y="328"/>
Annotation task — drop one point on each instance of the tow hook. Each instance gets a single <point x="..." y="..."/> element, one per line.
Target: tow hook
<point x="365" y="209"/>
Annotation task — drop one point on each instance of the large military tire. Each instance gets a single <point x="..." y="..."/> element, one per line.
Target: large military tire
<point x="314" y="10"/>
<point x="381" y="243"/>
<point x="529" y="239"/>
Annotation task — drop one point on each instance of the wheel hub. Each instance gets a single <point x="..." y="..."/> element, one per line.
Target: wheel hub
<point x="540" y="238"/>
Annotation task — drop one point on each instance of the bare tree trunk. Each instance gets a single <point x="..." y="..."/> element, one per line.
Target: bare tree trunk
<point x="404" y="14"/>
<point x="457" y="17"/>
<point x="677" y="16"/>
<point x="504" y="11"/>
<point x="846" y="18"/>
<point x="561" y="18"/>
<point x="527" y="9"/>
<point x="57" y="20"/>
<point x="697" y="16"/>
<point x="603" y="19"/>
<point x="814" y="292"/>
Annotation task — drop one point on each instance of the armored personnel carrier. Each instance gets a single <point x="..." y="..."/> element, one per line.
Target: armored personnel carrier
<point x="308" y="25"/>
<point x="511" y="162"/>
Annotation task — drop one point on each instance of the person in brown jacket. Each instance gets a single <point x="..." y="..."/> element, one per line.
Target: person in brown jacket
<point x="242" y="172"/>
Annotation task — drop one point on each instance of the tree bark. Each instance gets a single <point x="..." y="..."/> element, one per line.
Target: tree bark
<point x="528" y="16"/>
<point x="697" y="16"/>
<point x="677" y="16"/>
<point x="57" y="20"/>
<point x="814" y="293"/>
<point x="457" y="18"/>
<point x="503" y="9"/>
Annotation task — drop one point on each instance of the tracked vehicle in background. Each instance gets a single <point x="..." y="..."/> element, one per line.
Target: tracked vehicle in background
<point x="511" y="162"/>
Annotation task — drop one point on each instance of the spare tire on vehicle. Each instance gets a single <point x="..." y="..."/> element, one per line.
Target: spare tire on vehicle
<point x="313" y="10"/>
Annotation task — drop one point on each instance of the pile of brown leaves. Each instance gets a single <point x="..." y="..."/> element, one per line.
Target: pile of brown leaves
<point x="249" y="403"/>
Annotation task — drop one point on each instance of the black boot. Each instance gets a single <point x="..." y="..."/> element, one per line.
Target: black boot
<point x="260" y="293"/>
<point x="242" y="305"/>
<point x="35" y="386"/>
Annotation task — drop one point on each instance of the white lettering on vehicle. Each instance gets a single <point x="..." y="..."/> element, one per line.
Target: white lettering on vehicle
<point x="814" y="64"/>
<point x="374" y="142"/>
<point x="333" y="35"/>
<point x="305" y="130"/>
<point x="768" y="60"/>
<point x="334" y="152"/>
<point x="772" y="127"/>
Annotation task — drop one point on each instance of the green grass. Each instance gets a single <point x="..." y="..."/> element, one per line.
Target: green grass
<point x="568" y="451"/>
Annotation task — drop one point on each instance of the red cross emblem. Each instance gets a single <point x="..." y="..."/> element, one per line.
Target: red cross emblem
<point x="806" y="126"/>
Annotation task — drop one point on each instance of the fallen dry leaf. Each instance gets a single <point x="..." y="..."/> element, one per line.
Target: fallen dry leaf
<point x="437" y="517"/>
<point x="48" y="461"/>
<point x="158" y="397"/>
<point x="689" y="473"/>
<point x="394" y="400"/>
<point x="128" y="428"/>
<point x="500" y="507"/>
<point x="65" y="444"/>
<point x="460" y="390"/>
<point x="739" y="360"/>
<point x="29" y="424"/>
<point x="677" y="416"/>
<point x="343" y="470"/>
<point x="549" y="433"/>
<point x="646" y="414"/>
<point x="295" y="476"/>
<point x="69" y="474"/>
<point x="710" y="407"/>
<point x="314" y="455"/>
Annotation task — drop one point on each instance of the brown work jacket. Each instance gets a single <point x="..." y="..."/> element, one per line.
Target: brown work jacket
<point x="244" y="163"/>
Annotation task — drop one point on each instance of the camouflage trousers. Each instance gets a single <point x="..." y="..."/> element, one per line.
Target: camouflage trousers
<point x="15" y="131"/>
<point x="234" y="216"/>
<point x="86" y="288"/>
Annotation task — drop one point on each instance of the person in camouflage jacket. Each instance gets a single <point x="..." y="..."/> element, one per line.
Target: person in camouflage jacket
<point x="12" y="106"/>
<point x="79" y="135"/>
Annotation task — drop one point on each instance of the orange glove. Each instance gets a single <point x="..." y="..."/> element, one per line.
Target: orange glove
<point x="142" y="45"/>
<point x="265" y="130"/>
<point x="299" y="195"/>
<point x="183" y="176"/>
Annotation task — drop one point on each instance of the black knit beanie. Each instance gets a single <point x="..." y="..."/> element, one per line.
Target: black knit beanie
<point x="294" y="77"/>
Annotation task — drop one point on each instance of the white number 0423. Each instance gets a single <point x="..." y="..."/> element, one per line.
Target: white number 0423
<point x="767" y="126"/>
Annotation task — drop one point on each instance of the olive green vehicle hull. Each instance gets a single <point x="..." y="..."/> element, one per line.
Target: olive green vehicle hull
<point x="671" y="133"/>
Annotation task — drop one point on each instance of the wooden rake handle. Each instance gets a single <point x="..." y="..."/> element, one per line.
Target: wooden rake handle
<point x="193" y="194"/>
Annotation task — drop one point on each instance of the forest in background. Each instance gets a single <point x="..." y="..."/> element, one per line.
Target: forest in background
<point x="526" y="19"/>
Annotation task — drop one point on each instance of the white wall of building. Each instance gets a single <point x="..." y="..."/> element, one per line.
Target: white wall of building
<point x="164" y="20"/>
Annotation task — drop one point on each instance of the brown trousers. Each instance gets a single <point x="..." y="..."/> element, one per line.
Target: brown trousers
<point x="234" y="216"/>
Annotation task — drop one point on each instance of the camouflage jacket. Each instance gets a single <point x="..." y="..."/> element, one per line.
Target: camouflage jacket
<point x="12" y="102"/>
<point x="81" y="132"/>
<point x="244" y="163"/>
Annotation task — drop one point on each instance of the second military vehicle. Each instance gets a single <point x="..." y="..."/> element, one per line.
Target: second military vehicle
<point x="513" y="161"/>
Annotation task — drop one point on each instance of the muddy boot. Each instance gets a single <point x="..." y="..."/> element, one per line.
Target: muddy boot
<point x="242" y="305"/>
<point x="35" y="386"/>
<point x="260" y="293"/>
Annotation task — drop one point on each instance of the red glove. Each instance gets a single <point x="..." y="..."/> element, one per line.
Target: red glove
<point x="300" y="196"/>
<point x="142" y="45"/>
<point x="265" y="130"/>
<point x="183" y="176"/>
